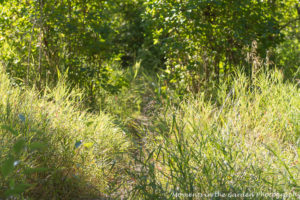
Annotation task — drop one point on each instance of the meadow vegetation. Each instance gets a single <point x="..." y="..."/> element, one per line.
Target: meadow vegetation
<point x="135" y="99"/>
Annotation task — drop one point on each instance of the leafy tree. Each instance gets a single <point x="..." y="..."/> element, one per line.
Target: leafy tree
<point x="194" y="32"/>
<point x="191" y="41"/>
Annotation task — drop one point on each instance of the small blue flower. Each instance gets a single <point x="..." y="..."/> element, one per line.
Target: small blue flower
<point x="22" y="117"/>
<point x="78" y="143"/>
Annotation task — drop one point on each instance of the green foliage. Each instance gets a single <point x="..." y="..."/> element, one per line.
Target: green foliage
<point x="287" y="53"/>
<point x="141" y="99"/>
<point x="197" y="39"/>
<point x="288" y="58"/>
<point x="57" y="37"/>
<point x="223" y="30"/>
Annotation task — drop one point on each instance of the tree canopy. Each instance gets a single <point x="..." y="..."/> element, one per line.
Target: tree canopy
<point x="191" y="40"/>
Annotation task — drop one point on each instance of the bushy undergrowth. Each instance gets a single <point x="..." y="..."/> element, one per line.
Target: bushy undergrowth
<point x="50" y="148"/>
<point x="245" y="141"/>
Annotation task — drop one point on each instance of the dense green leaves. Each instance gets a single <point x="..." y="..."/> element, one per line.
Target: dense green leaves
<point x="222" y="29"/>
<point x="17" y="189"/>
<point x="18" y="146"/>
<point x="193" y="41"/>
<point x="8" y="166"/>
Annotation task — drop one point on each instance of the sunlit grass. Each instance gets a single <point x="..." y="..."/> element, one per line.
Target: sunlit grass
<point x="245" y="141"/>
<point x="84" y="152"/>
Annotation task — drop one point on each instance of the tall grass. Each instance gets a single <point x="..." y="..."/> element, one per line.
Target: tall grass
<point x="245" y="141"/>
<point x="83" y="153"/>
